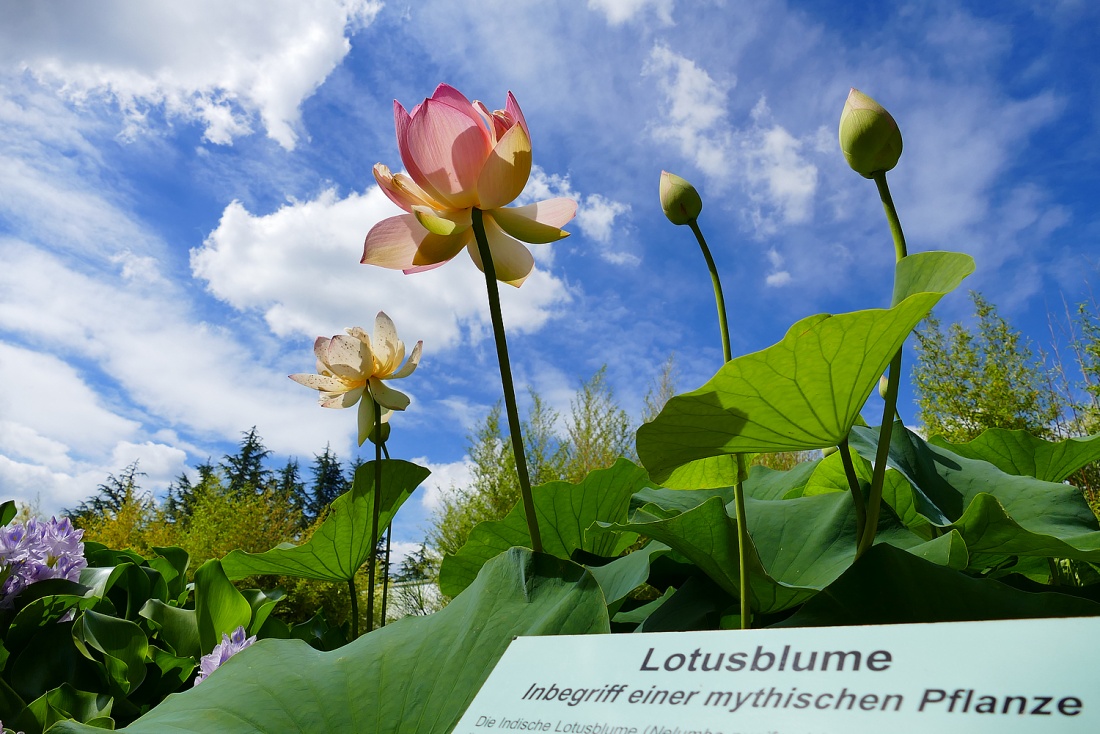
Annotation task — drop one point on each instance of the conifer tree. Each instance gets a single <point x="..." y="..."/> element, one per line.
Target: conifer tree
<point x="328" y="482"/>
<point x="244" y="470"/>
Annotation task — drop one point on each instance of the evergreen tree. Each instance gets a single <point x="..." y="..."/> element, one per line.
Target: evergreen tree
<point x="290" y="487"/>
<point x="244" y="470"/>
<point x="328" y="483"/>
<point x="110" y="497"/>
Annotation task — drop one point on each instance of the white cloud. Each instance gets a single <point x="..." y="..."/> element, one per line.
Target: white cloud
<point x="299" y="266"/>
<point x="780" y="179"/>
<point x="695" y="112"/>
<point x="444" y="479"/>
<point x="220" y="64"/>
<point x="46" y="403"/>
<point x="596" y="217"/>
<point x="621" y="11"/>
<point x="763" y="158"/>
<point x="778" y="276"/>
<point x="142" y="341"/>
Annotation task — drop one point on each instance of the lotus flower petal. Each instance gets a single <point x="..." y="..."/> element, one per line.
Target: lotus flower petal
<point x="506" y="170"/>
<point x="443" y="222"/>
<point x="386" y="396"/>
<point x="522" y="223"/>
<point x="449" y="148"/>
<point x="511" y="260"/>
<point x="344" y="356"/>
<point x="414" y="360"/>
<point x="320" y="382"/>
<point x="450" y="96"/>
<point x="344" y="399"/>
<point x="386" y="344"/>
<point x="401" y="243"/>
<point x="401" y="122"/>
<point x="511" y="106"/>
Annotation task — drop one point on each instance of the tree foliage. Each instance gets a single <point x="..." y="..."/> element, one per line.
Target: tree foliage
<point x="968" y="380"/>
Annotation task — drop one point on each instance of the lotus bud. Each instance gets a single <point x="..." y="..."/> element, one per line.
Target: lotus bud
<point x="869" y="137"/>
<point x="679" y="199"/>
<point x="883" y="386"/>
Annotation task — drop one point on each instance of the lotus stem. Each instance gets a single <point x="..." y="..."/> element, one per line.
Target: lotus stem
<point x="742" y="469"/>
<point x="386" y="566"/>
<point x="354" y="595"/>
<point x="853" y="484"/>
<point x="889" y="409"/>
<point x="506" y="380"/>
<point x="374" y="515"/>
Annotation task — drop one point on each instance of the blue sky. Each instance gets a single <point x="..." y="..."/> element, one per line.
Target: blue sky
<point x="185" y="188"/>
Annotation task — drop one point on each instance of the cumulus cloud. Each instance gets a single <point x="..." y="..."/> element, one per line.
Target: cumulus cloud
<point x="778" y="276"/>
<point x="299" y="266"/>
<point x="763" y="158"/>
<point x="694" y="116"/>
<point x="220" y="64"/>
<point x="622" y="11"/>
<point x="444" y="480"/>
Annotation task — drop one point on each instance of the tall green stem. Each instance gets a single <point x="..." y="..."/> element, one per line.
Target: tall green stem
<point x="853" y="485"/>
<point x="742" y="469"/>
<point x="354" y="595"/>
<point x="386" y="574"/>
<point x="889" y="409"/>
<point x="374" y="515"/>
<point x="386" y="566"/>
<point x="506" y="379"/>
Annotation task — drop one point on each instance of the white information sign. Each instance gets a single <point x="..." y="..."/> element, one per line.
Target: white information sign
<point x="973" y="677"/>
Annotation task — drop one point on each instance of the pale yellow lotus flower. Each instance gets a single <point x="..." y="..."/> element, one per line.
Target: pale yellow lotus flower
<point x="351" y="369"/>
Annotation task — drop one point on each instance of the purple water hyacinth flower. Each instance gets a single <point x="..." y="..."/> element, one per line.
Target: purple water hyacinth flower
<point x="38" y="551"/>
<point x="227" y="648"/>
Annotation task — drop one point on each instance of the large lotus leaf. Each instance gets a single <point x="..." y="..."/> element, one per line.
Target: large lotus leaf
<point x="995" y="512"/>
<point x="564" y="512"/>
<point x="415" y="676"/>
<point x="763" y="483"/>
<point x="219" y="607"/>
<point x="342" y="544"/>
<point x="802" y="393"/>
<point x="799" y="545"/>
<point x="930" y="272"/>
<point x="773" y="484"/>
<point x="1018" y="452"/>
<point x="890" y="586"/>
<point x="697" y="605"/>
<point x="621" y="576"/>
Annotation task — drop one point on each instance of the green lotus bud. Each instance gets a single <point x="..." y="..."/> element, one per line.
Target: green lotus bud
<point x="869" y="137"/>
<point x="883" y="386"/>
<point x="679" y="199"/>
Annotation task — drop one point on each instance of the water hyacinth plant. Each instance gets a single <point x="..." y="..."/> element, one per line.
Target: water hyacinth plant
<point x="37" y="551"/>
<point x="227" y="648"/>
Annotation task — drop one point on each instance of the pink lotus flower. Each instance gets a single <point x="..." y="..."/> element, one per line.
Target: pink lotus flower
<point x="459" y="156"/>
